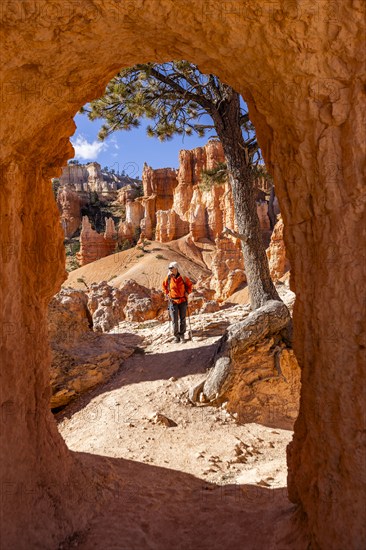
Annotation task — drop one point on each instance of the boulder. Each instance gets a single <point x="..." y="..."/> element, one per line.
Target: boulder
<point x="81" y="359"/>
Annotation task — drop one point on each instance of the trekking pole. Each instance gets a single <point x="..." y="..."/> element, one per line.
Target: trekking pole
<point x="169" y="317"/>
<point x="189" y="323"/>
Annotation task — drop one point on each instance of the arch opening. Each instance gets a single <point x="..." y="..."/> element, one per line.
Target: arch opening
<point x="306" y="141"/>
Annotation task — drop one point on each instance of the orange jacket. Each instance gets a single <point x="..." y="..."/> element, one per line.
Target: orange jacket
<point x="175" y="288"/>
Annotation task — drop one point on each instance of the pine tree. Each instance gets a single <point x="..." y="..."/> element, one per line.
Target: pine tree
<point x="179" y="99"/>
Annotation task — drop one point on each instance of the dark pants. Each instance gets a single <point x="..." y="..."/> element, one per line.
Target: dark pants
<point x="175" y="311"/>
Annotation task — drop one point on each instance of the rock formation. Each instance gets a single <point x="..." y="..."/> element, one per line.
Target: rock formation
<point x="134" y="212"/>
<point x="255" y="372"/>
<point x="89" y="178"/>
<point x="276" y="252"/>
<point x="132" y="302"/>
<point x="93" y="245"/>
<point x="80" y="184"/>
<point x="69" y="203"/>
<point x="298" y="65"/>
<point x="81" y="359"/>
<point x="202" y="212"/>
<point x="227" y="268"/>
<point x="177" y="204"/>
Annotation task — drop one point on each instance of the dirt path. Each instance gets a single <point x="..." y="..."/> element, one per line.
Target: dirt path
<point x="206" y="482"/>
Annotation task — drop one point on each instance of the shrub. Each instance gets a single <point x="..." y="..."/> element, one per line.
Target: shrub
<point x="215" y="176"/>
<point x="81" y="280"/>
<point x="125" y="244"/>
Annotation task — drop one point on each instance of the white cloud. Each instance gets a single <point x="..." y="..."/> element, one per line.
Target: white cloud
<point x="88" y="151"/>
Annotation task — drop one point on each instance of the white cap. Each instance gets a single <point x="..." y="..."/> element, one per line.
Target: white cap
<point x="173" y="264"/>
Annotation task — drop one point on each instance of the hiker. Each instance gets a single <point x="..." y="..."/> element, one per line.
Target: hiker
<point x="177" y="287"/>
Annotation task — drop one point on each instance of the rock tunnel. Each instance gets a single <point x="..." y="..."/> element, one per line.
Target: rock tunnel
<point x="298" y="66"/>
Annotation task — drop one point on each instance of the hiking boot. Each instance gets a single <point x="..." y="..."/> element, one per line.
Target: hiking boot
<point x="177" y="339"/>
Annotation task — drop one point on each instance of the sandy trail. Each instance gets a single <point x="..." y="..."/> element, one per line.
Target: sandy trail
<point x="205" y="483"/>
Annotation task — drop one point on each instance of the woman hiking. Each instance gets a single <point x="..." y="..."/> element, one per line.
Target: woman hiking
<point x="177" y="287"/>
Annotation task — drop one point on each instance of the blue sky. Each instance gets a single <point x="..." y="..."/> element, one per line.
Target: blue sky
<point x="128" y="150"/>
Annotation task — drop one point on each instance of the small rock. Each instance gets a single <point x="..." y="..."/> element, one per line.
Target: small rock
<point x="214" y="459"/>
<point x="159" y="418"/>
<point x="172" y="379"/>
<point x="263" y="483"/>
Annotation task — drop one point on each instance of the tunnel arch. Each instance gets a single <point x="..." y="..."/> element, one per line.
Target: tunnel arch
<point x="299" y="70"/>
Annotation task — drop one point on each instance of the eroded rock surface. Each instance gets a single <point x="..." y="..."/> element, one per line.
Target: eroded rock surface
<point x="132" y="302"/>
<point x="255" y="372"/>
<point x="276" y="252"/>
<point x="299" y="70"/>
<point x="81" y="359"/>
<point x="94" y="245"/>
<point x="68" y="201"/>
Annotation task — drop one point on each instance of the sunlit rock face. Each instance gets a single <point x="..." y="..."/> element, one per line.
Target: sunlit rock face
<point x="299" y="70"/>
<point x="94" y="245"/>
<point x="89" y="178"/>
<point x="82" y="184"/>
<point x="276" y="253"/>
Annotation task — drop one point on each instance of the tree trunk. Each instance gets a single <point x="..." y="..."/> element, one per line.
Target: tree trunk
<point x="271" y="212"/>
<point x="227" y="124"/>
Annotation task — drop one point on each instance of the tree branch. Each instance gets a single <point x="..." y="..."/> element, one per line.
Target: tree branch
<point x="185" y="93"/>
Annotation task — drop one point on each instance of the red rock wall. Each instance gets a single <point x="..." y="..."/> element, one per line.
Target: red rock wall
<point x="307" y="103"/>
<point x="158" y="185"/>
<point x="37" y="470"/>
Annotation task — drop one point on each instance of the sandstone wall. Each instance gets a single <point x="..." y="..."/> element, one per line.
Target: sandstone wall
<point x="299" y="69"/>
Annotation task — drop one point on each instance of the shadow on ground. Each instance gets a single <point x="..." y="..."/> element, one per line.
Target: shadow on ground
<point x="142" y="367"/>
<point x="149" y="507"/>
